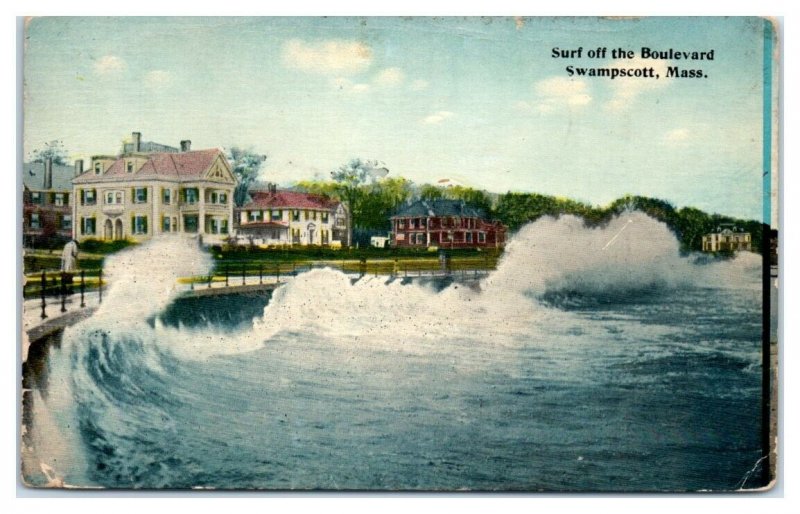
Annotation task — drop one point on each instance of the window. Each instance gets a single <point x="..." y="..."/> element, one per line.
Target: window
<point x="324" y="217"/>
<point x="165" y="224"/>
<point x="190" y="195"/>
<point x="401" y="223"/>
<point x="89" y="197"/>
<point x="88" y="226"/>
<point x="223" y="227"/>
<point x="314" y="215"/>
<point x="295" y="215"/>
<point x="420" y="238"/>
<point x="412" y="223"/>
<point x="98" y="168"/>
<point x="217" y="197"/>
<point x="277" y="215"/>
<point x="469" y="237"/>
<point x="36" y="197"/>
<point x="139" y="224"/>
<point x="174" y="224"/>
<point x="58" y="199"/>
<point x="140" y="195"/>
<point x="190" y="223"/>
<point x="66" y="222"/>
<point x="324" y="236"/>
<point x="254" y="216"/>
<point x="481" y="237"/>
<point x="166" y="196"/>
<point x="306" y="213"/>
<point x="129" y="166"/>
<point x="36" y="222"/>
<point x="113" y="197"/>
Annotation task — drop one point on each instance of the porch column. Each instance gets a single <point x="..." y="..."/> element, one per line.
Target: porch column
<point x="201" y="223"/>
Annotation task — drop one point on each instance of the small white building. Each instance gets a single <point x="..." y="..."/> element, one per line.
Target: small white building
<point x="380" y="241"/>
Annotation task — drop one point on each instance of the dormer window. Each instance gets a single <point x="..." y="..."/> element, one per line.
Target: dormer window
<point x="130" y="166"/>
<point x="98" y="168"/>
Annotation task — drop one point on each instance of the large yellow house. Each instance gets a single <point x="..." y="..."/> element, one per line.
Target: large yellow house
<point x="140" y="194"/>
<point x="727" y="238"/>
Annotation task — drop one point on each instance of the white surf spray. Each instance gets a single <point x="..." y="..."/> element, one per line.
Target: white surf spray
<point x="116" y="351"/>
<point x="631" y="255"/>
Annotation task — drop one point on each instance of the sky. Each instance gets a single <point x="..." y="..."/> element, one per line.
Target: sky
<point x="479" y="101"/>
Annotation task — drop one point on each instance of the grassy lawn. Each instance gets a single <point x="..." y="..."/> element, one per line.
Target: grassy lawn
<point x="252" y="262"/>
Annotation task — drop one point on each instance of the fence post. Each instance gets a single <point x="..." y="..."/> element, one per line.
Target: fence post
<point x="243" y="273"/>
<point x="100" y="283"/>
<point x="63" y="292"/>
<point x="210" y="276"/>
<point x="278" y="273"/>
<point x="261" y="273"/>
<point x="83" y="287"/>
<point x="226" y="275"/>
<point x="44" y="285"/>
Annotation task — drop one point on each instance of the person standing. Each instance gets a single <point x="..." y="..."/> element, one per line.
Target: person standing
<point x="69" y="257"/>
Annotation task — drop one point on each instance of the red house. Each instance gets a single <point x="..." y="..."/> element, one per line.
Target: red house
<point x="47" y="202"/>
<point x="445" y="224"/>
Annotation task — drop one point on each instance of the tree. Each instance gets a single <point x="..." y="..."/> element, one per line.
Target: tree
<point x="52" y="150"/>
<point x="430" y="192"/>
<point x="351" y="179"/>
<point x="245" y="164"/>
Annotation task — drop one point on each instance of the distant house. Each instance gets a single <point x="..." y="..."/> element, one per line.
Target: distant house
<point x="727" y="237"/>
<point x="380" y="241"/>
<point x="445" y="224"/>
<point x="146" y="191"/>
<point x="47" y="203"/>
<point x="279" y="217"/>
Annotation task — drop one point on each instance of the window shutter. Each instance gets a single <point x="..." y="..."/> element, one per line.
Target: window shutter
<point x="133" y="224"/>
<point x="83" y="198"/>
<point x="144" y="224"/>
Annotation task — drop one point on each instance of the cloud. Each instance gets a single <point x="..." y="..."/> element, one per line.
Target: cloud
<point x="555" y="92"/>
<point x="419" y="85"/>
<point x="109" y="65"/>
<point x="678" y="135"/>
<point x="627" y="89"/>
<point x="347" y="85"/>
<point x="327" y="57"/>
<point x="390" y="77"/>
<point x="157" y="78"/>
<point x="437" y="117"/>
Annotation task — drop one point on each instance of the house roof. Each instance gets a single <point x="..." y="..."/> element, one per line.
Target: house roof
<point x="440" y="207"/>
<point x="288" y="200"/>
<point x="263" y="224"/>
<point x="33" y="177"/>
<point x="177" y="166"/>
<point x="149" y="147"/>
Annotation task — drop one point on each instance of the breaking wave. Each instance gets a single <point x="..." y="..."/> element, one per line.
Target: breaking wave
<point x="120" y="382"/>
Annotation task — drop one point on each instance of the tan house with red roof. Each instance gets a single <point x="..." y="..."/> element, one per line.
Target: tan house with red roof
<point x="142" y="193"/>
<point x="274" y="217"/>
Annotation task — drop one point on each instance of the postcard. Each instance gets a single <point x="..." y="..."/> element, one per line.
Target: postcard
<point x="399" y="254"/>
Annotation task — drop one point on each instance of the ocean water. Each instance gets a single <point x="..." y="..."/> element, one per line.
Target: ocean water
<point x="590" y="360"/>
